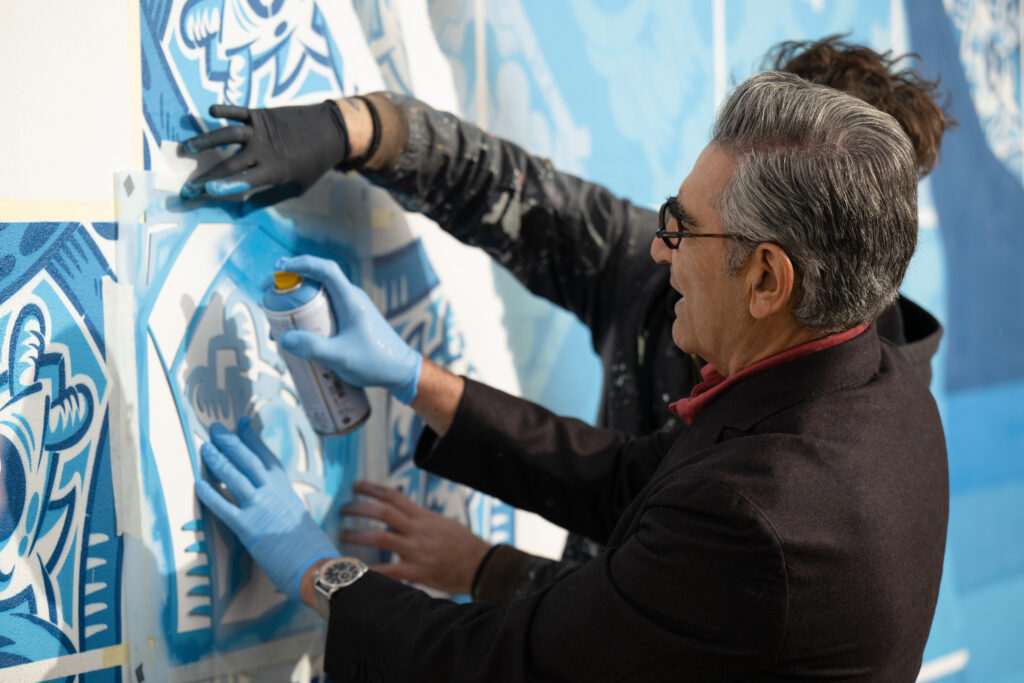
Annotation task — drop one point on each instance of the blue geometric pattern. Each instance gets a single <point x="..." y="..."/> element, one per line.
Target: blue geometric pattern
<point x="204" y="355"/>
<point x="60" y="555"/>
<point x="196" y="53"/>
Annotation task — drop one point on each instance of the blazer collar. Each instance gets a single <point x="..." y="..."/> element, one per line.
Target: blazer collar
<point x="742" y="405"/>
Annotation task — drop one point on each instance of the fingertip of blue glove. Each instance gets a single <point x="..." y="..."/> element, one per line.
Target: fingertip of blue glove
<point x="288" y="341"/>
<point x="189" y="191"/>
<point x="209" y="453"/>
<point x="203" y="489"/>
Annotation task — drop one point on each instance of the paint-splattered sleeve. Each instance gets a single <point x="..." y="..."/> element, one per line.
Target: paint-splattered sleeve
<point x="568" y="240"/>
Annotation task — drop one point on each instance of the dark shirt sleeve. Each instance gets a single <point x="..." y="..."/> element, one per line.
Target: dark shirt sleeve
<point x="576" y="476"/>
<point x="570" y="241"/>
<point x="696" y="592"/>
<point x="507" y="573"/>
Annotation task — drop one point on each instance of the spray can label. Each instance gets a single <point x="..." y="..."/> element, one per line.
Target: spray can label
<point x="333" y="406"/>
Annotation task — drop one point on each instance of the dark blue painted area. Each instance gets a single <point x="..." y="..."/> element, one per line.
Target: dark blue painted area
<point x="27" y="237"/>
<point x="25" y="632"/>
<point x="101" y="522"/>
<point x="7" y="264"/>
<point x="163" y="106"/>
<point x="12" y="483"/>
<point x="106" y="230"/>
<point x="78" y="267"/>
<point x="35" y="236"/>
<point x="981" y="210"/>
<point x="36" y="243"/>
<point x="63" y="318"/>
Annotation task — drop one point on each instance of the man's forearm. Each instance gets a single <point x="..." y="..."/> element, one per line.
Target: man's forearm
<point x="393" y="131"/>
<point x="438" y="395"/>
<point x="437" y="399"/>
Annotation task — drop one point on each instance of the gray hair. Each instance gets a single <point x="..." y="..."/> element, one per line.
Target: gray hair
<point x="832" y="181"/>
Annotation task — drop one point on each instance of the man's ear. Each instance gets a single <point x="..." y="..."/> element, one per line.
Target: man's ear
<point x="771" y="281"/>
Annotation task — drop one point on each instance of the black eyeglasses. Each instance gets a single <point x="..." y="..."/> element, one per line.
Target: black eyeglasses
<point x="672" y="238"/>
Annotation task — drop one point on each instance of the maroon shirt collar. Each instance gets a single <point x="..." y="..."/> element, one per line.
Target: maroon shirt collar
<point x="715" y="383"/>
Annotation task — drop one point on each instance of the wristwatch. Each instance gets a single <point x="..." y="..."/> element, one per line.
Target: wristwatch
<point x="334" y="575"/>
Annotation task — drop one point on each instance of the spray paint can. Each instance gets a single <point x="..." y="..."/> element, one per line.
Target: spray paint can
<point x="296" y="303"/>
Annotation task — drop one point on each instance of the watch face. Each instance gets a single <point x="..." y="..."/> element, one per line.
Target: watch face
<point x="340" y="573"/>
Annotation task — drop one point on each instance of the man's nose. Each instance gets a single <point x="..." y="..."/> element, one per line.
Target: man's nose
<point x="660" y="251"/>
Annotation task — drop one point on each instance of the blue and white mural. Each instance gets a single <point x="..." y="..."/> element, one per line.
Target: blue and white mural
<point x="201" y="343"/>
<point x="60" y="555"/>
<point x="203" y="354"/>
<point x="253" y="53"/>
<point x="622" y="92"/>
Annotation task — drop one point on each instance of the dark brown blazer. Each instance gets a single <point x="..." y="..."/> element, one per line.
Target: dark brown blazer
<point x="794" y="532"/>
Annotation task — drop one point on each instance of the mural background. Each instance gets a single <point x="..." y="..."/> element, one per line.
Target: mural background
<point x="129" y="322"/>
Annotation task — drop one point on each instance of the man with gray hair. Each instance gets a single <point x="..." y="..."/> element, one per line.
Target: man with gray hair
<point x="792" y="528"/>
<point x="804" y="169"/>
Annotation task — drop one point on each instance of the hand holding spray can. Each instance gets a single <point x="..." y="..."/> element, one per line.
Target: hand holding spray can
<point x="297" y="303"/>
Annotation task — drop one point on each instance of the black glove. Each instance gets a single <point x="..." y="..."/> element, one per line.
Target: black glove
<point x="286" y="148"/>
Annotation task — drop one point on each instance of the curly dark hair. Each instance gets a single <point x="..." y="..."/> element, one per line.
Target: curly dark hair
<point x="876" y="78"/>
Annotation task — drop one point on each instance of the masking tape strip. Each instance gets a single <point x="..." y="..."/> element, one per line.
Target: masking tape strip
<point x="32" y="210"/>
<point x="68" y="665"/>
<point x="118" y="314"/>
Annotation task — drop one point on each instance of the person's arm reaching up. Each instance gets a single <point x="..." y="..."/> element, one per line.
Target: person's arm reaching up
<point x="571" y="241"/>
<point x="284" y="150"/>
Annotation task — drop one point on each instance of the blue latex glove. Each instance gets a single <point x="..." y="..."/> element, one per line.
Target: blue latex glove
<point x="269" y="519"/>
<point x="366" y="351"/>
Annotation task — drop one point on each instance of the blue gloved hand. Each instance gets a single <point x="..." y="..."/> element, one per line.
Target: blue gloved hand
<point x="269" y="519"/>
<point x="366" y="351"/>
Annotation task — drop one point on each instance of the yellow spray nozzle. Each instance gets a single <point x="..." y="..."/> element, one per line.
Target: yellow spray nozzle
<point x="284" y="280"/>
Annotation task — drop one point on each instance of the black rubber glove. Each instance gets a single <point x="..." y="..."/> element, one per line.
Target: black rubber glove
<point x="285" y="148"/>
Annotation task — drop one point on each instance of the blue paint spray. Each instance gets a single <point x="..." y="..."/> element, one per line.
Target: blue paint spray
<point x="297" y="303"/>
